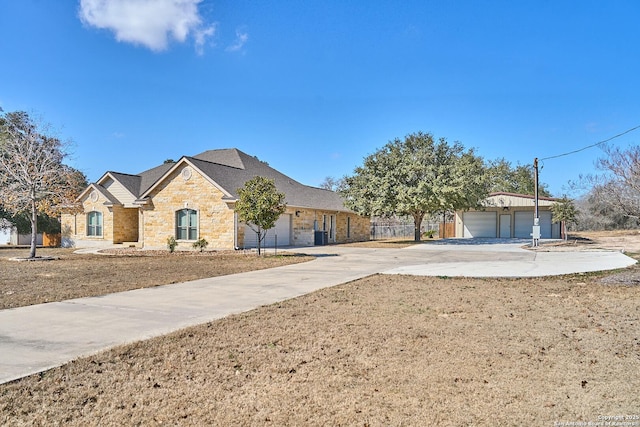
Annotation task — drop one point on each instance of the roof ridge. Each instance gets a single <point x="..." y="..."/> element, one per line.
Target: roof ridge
<point x="527" y="196"/>
<point x="223" y="156"/>
<point x="123" y="173"/>
<point x="191" y="158"/>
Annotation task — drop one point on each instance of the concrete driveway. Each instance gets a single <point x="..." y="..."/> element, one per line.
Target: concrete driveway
<point x="506" y="258"/>
<point x="39" y="337"/>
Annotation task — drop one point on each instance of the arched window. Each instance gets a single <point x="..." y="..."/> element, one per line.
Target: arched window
<point x="186" y="224"/>
<point x="94" y="224"/>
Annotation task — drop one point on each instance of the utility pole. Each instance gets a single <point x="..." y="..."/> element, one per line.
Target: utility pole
<point x="536" y="219"/>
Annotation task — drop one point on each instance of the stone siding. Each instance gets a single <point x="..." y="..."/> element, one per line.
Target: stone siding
<point x="74" y="226"/>
<point x="125" y="224"/>
<point x="309" y="220"/>
<point x="215" y="218"/>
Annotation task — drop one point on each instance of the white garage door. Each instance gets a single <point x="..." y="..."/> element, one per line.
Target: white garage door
<point x="545" y="224"/>
<point x="282" y="230"/>
<point x="479" y="224"/>
<point x="524" y="224"/>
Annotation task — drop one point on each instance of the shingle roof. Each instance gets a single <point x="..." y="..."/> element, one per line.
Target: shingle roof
<point x="227" y="157"/>
<point x="151" y="176"/>
<point x="130" y="182"/>
<point x="230" y="169"/>
<point x="107" y="195"/>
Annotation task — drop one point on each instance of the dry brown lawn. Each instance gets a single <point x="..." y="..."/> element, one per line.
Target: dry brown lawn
<point x="384" y="350"/>
<point x="75" y="276"/>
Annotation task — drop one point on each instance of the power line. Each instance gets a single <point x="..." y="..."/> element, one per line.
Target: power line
<point x="592" y="145"/>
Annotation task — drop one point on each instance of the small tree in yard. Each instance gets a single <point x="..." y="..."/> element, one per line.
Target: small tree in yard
<point x="260" y="205"/>
<point x="564" y="211"/>
<point x="33" y="179"/>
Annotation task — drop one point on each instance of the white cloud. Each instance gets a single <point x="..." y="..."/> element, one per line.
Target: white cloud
<point x="201" y="36"/>
<point x="151" y="23"/>
<point x="241" y="38"/>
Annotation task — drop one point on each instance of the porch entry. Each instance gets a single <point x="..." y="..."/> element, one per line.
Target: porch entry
<point x="329" y="225"/>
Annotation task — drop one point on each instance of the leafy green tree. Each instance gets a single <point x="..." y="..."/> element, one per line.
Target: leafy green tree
<point x="33" y="179"/>
<point x="519" y="179"/>
<point x="22" y="222"/>
<point x="259" y="205"/>
<point x="416" y="176"/>
<point x="565" y="212"/>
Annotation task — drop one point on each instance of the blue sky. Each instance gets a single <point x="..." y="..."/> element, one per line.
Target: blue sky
<point x="312" y="87"/>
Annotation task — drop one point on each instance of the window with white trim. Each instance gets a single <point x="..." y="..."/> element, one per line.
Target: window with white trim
<point x="187" y="224"/>
<point x="94" y="224"/>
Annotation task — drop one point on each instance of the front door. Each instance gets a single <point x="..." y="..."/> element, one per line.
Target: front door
<point x="505" y="226"/>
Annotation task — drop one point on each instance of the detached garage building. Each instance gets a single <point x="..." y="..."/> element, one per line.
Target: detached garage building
<point x="508" y="215"/>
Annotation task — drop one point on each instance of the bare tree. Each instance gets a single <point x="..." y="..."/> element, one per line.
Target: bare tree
<point x="621" y="184"/>
<point x="610" y="199"/>
<point x="33" y="178"/>
<point x="331" y="183"/>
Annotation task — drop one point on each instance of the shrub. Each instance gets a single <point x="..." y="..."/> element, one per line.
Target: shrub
<point x="171" y="243"/>
<point x="429" y="234"/>
<point x="200" y="244"/>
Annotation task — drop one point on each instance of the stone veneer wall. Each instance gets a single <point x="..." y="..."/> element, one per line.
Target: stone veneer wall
<point x="303" y="226"/>
<point x="215" y="218"/>
<point x="74" y="226"/>
<point x="125" y="224"/>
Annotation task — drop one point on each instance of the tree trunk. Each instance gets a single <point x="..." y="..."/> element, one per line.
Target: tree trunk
<point x="34" y="229"/>
<point x="260" y="238"/>
<point x="444" y="225"/>
<point x="417" y="222"/>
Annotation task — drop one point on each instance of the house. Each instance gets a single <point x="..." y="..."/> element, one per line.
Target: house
<point x="194" y="198"/>
<point x="5" y="232"/>
<point x="9" y="235"/>
<point x="508" y="215"/>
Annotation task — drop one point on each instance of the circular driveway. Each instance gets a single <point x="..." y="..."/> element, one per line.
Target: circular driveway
<point x="500" y="258"/>
<point x="477" y="258"/>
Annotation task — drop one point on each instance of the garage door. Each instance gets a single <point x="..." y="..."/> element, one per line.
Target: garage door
<point x="524" y="224"/>
<point x="282" y="230"/>
<point x="479" y="224"/>
<point x="545" y="224"/>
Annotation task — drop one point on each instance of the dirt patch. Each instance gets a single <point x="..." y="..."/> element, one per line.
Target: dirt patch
<point x="73" y="275"/>
<point x="619" y="240"/>
<point x="385" y="350"/>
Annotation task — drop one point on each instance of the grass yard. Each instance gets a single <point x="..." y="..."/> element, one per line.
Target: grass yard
<point x="380" y="351"/>
<point x="76" y="276"/>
